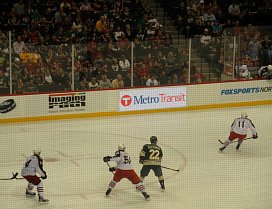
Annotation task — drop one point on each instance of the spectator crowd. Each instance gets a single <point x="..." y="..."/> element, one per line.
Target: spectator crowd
<point x="102" y="32"/>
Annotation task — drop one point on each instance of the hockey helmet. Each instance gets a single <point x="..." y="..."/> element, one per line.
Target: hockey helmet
<point x="243" y="115"/>
<point x="37" y="151"/>
<point x="153" y="139"/>
<point x="121" y="147"/>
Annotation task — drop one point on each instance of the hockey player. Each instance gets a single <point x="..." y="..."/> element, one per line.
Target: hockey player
<point x="151" y="156"/>
<point x="239" y="131"/>
<point x="124" y="169"/>
<point x="244" y="73"/>
<point x="33" y="165"/>
<point x="265" y="72"/>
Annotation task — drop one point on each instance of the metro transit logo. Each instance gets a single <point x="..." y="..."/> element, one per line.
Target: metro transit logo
<point x="126" y="100"/>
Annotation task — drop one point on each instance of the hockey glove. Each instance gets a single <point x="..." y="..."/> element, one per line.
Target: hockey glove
<point x="44" y="177"/>
<point x="112" y="169"/>
<point x="255" y="136"/>
<point x="106" y="158"/>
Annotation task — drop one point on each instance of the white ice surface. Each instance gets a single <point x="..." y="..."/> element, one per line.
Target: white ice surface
<point x="78" y="178"/>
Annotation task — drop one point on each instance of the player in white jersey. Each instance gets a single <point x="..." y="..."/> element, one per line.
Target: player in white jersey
<point x="32" y="166"/>
<point x="124" y="169"/>
<point x="239" y="131"/>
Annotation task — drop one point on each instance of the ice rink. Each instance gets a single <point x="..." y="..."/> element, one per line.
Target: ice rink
<point x="78" y="177"/>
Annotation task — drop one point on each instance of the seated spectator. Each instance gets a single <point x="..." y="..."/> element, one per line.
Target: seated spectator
<point x="18" y="45"/>
<point x="3" y="79"/>
<point x="124" y="63"/>
<point x="153" y="22"/>
<point x="184" y="78"/>
<point x="168" y="40"/>
<point x="29" y="57"/>
<point x="47" y="77"/>
<point x="27" y="75"/>
<point x="123" y="43"/>
<point x="31" y="87"/>
<point x="253" y="50"/>
<point x="143" y="71"/>
<point x="234" y="11"/>
<point x="149" y="60"/>
<point x="19" y="8"/>
<point x="197" y="76"/>
<point x="19" y="87"/>
<point x="77" y="25"/>
<point x="126" y="16"/>
<point x="117" y="33"/>
<point x="59" y="16"/>
<point x="3" y="60"/>
<point x="65" y="5"/>
<point x="174" y="79"/>
<point x="101" y="25"/>
<point x="156" y="68"/>
<point x="163" y="79"/>
<point x="93" y="84"/>
<point x="217" y="28"/>
<point x="252" y="54"/>
<point x="129" y="32"/>
<point x="86" y="7"/>
<point x="118" y="4"/>
<point x="209" y="16"/>
<point x="267" y="55"/>
<point x="104" y="83"/>
<point x="205" y="38"/>
<point x="83" y="85"/>
<point x="114" y="66"/>
<point x="118" y="82"/>
<point x="152" y="81"/>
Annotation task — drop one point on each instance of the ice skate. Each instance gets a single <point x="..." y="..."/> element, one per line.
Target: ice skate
<point x="222" y="148"/>
<point x="43" y="200"/>
<point x="108" y="192"/>
<point x="30" y="193"/>
<point x="163" y="188"/>
<point x="238" y="146"/>
<point x="162" y="185"/>
<point x="147" y="197"/>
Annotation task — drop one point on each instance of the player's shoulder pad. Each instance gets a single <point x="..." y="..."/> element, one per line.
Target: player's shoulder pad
<point x="250" y="121"/>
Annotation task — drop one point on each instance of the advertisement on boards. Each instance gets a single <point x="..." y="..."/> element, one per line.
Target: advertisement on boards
<point x="68" y="102"/>
<point x="154" y="98"/>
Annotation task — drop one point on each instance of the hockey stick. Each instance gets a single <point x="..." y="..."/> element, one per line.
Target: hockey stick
<point x="110" y="167"/>
<point x="235" y="141"/>
<point x="170" y="168"/>
<point x="14" y="176"/>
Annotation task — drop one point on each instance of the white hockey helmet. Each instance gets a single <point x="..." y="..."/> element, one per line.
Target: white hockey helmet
<point x="243" y="67"/>
<point x="37" y="151"/>
<point x="243" y="115"/>
<point x="121" y="147"/>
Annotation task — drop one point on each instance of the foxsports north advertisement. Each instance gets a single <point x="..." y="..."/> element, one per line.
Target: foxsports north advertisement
<point x="154" y="98"/>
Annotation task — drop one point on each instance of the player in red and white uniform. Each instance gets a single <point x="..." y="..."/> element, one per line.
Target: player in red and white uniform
<point x="124" y="169"/>
<point x="239" y="131"/>
<point x="32" y="166"/>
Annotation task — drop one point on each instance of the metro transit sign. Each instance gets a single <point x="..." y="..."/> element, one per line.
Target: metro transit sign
<point x="154" y="98"/>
